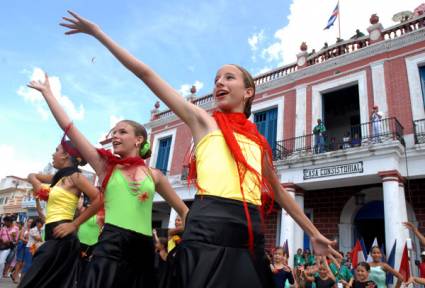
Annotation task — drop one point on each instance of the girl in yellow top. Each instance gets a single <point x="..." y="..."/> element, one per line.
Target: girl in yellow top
<point x="223" y="242"/>
<point x="55" y="264"/>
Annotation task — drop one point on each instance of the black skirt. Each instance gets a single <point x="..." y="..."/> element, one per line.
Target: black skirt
<point x="121" y="258"/>
<point x="55" y="263"/>
<point x="214" y="252"/>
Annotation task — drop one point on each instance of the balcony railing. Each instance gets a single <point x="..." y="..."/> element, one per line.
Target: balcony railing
<point x="419" y="129"/>
<point x="385" y="130"/>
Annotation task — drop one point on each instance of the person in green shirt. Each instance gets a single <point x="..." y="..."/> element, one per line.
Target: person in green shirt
<point x="299" y="259"/>
<point x="340" y="270"/>
<point x="309" y="258"/>
<point x="319" y="137"/>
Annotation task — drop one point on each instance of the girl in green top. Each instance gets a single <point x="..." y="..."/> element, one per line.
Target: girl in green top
<point x="124" y="255"/>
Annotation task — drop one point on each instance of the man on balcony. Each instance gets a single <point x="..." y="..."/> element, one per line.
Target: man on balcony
<point x="375" y="118"/>
<point x="319" y="137"/>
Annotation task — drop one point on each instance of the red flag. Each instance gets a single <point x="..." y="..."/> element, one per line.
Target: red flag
<point x="357" y="255"/>
<point x="404" y="264"/>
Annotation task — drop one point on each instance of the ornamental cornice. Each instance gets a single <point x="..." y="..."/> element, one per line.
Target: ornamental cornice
<point x="348" y="58"/>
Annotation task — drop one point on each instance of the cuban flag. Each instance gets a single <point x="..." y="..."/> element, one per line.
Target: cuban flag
<point x="333" y="17"/>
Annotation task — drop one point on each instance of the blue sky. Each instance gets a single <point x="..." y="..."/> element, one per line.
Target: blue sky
<point x="185" y="41"/>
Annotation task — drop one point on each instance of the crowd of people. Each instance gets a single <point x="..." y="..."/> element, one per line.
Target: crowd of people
<point x="327" y="272"/>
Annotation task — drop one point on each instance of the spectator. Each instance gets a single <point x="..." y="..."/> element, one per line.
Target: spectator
<point x="34" y="242"/>
<point x="309" y="258"/>
<point x="346" y="140"/>
<point x="357" y="35"/>
<point x="325" y="279"/>
<point x="355" y="141"/>
<point x="8" y="240"/>
<point x="11" y="258"/>
<point x="362" y="277"/>
<point x="280" y="268"/>
<point x="422" y="265"/>
<point x="340" y="271"/>
<point x="375" y="118"/>
<point x="299" y="259"/>
<point x="319" y="137"/>
<point x="20" y="252"/>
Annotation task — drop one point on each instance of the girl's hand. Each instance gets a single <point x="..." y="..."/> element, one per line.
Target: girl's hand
<point x="78" y="24"/>
<point x="286" y="268"/>
<point x="64" y="229"/>
<point x="40" y="86"/>
<point x="322" y="246"/>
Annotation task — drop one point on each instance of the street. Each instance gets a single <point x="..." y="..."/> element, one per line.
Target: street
<point x="7" y="283"/>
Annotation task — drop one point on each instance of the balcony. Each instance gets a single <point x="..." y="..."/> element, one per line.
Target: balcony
<point x="365" y="134"/>
<point x="419" y="130"/>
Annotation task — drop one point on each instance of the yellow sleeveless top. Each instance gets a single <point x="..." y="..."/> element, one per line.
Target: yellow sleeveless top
<point x="217" y="174"/>
<point x="61" y="205"/>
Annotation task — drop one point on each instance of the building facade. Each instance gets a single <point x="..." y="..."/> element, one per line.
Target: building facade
<point x="12" y="192"/>
<point x="361" y="178"/>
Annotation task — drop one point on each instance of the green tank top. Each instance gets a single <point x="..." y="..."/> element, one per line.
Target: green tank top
<point x="378" y="275"/>
<point x="88" y="233"/>
<point x="127" y="207"/>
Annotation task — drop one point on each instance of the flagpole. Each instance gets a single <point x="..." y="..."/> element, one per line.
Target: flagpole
<point x="339" y="21"/>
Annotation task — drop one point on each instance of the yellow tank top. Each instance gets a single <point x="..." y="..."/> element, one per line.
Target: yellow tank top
<point x="61" y="205"/>
<point x="217" y="172"/>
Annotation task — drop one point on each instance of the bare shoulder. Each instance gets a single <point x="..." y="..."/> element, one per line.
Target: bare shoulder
<point x="155" y="174"/>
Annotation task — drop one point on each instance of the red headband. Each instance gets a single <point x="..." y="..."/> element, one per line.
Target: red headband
<point x="68" y="148"/>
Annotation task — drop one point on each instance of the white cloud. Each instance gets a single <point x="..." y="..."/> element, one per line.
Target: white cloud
<point x="185" y="88"/>
<point x="113" y="120"/>
<point x="308" y="18"/>
<point x="16" y="164"/>
<point x="35" y="97"/>
<point x="255" y="39"/>
<point x="264" y="70"/>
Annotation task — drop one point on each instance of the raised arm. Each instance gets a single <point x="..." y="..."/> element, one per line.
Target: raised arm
<point x="196" y="118"/>
<point x="82" y="184"/>
<point x="390" y="269"/>
<point x="163" y="187"/>
<point x="83" y="145"/>
<point x="415" y="230"/>
<point x="330" y="274"/>
<point x="321" y="245"/>
<point x="37" y="179"/>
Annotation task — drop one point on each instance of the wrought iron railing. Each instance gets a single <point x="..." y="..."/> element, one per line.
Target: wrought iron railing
<point x="419" y="130"/>
<point x="382" y="131"/>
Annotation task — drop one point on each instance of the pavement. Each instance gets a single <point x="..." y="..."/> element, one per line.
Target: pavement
<point x="7" y="283"/>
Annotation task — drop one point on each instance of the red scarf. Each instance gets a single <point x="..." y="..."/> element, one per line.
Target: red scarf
<point x="230" y="123"/>
<point x="111" y="162"/>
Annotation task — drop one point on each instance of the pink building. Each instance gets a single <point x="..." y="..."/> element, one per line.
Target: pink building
<point x="364" y="177"/>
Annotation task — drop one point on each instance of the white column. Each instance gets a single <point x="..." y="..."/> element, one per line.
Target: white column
<point x="394" y="213"/>
<point x="345" y="237"/>
<point x="287" y="225"/>
<point x="378" y="84"/>
<point x="300" y="112"/>
<point x="298" y="232"/>
<point x="173" y="215"/>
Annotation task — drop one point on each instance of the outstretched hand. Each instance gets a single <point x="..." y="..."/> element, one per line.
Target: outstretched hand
<point x="40" y="86"/>
<point x="78" y="24"/>
<point x="322" y="246"/>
